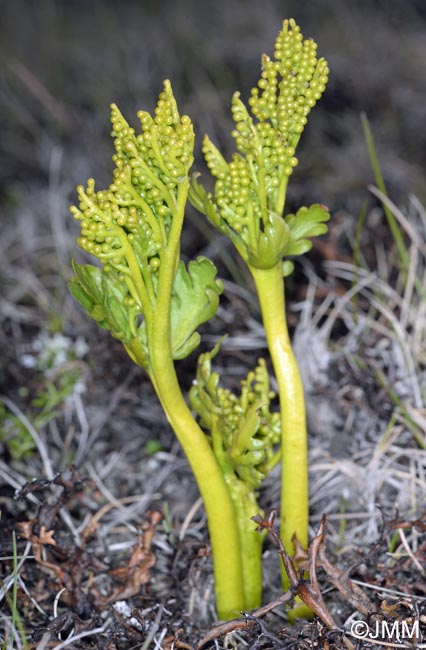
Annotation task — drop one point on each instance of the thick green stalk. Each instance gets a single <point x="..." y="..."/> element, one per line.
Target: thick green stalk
<point x="294" y="485"/>
<point x="251" y="543"/>
<point x="219" y="414"/>
<point x="222" y="522"/>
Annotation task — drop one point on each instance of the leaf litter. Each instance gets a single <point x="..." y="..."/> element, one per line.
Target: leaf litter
<point x="97" y="603"/>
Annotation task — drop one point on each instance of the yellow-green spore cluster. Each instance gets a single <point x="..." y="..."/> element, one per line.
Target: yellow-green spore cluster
<point x="253" y="184"/>
<point x="287" y="101"/>
<point x="129" y="222"/>
<point x="244" y="432"/>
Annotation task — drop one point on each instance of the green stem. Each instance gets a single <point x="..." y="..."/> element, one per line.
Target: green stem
<point x="281" y="194"/>
<point x="252" y="226"/>
<point x="223" y="528"/>
<point x="294" y="486"/>
<point x="261" y="192"/>
<point x="145" y="299"/>
<point x="222" y="521"/>
<point x="246" y="507"/>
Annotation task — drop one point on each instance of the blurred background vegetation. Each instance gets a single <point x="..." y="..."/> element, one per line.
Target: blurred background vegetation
<point x="65" y="61"/>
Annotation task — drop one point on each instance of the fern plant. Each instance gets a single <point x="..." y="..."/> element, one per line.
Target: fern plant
<point x="248" y="205"/>
<point x="149" y="299"/>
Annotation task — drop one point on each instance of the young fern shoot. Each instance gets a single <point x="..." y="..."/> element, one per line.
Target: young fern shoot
<point x="248" y="204"/>
<point x="152" y="302"/>
<point x="244" y="436"/>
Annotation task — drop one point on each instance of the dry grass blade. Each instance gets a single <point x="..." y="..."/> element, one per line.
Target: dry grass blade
<point x="72" y="639"/>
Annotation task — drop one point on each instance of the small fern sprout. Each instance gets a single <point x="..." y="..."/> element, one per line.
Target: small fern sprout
<point x="152" y="301"/>
<point x="244" y="434"/>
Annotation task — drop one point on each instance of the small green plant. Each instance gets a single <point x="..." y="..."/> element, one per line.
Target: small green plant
<point x="58" y="375"/>
<point x="16" y="623"/>
<point x="153" y="302"/>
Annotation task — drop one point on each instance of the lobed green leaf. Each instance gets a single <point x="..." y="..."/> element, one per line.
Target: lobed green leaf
<point x="195" y="298"/>
<point x="242" y="428"/>
<point x="307" y="222"/>
<point x="106" y="300"/>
